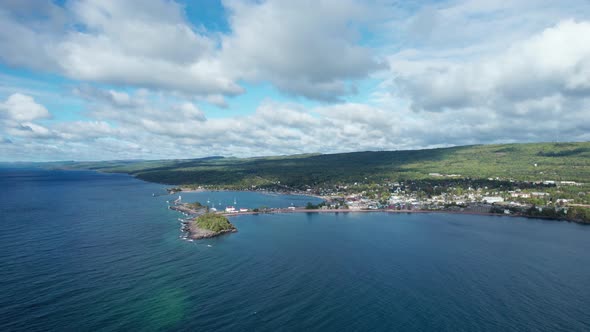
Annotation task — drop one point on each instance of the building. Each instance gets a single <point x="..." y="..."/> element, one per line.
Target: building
<point x="570" y="183"/>
<point x="521" y="195"/>
<point x="492" y="199"/>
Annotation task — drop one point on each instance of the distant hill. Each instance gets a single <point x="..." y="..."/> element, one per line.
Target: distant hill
<point x="531" y="161"/>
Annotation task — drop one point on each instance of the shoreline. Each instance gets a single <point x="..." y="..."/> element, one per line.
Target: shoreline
<point x="197" y="233"/>
<point x="190" y="227"/>
<point x="286" y="211"/>
<point x="193" y="232"/>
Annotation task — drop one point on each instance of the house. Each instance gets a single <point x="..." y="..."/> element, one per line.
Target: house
<point x="520" y="194"/>
<point x="230" y="209"/>
<point x="492" y="199"/>
<point x="570" y="183"/>
<point x="356" y="205"/>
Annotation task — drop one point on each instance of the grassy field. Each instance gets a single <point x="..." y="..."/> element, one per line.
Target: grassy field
<point x="534" y="161"/>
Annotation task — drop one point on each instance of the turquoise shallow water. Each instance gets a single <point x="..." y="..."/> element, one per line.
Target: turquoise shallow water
<point x="86" y="251"/>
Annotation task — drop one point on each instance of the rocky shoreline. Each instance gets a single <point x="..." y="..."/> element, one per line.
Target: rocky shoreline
<point x="185" y="210"/>
<point x="190" y="227"/>
<point x="196" y="233"/>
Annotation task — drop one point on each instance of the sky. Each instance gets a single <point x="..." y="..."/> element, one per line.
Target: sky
<point x="162" y="79"/>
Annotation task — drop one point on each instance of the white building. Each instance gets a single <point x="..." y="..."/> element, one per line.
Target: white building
<point x="570" y="183"/>
<point x="521" y="195"/>
<point x="492" y="199"/>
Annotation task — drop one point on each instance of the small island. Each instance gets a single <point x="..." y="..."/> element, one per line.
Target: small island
<point x="209" y="225"/>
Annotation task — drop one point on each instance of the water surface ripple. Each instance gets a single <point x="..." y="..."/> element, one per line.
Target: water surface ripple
<point x="86" y="251"/>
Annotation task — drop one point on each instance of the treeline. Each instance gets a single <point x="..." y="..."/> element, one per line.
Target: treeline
<point x="579" y="214"/>
<point x="572" y="213"/>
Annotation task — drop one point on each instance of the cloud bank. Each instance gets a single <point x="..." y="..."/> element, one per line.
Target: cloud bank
<point x="352" y="75"/>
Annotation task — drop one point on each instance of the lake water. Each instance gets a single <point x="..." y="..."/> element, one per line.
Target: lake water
<point x="86" y="251"/>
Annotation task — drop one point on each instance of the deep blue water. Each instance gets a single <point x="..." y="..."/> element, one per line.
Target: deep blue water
<point x="86" y="251"/>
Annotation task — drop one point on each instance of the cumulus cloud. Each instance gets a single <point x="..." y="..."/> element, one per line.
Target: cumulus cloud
<point x="152" y="44"/>
<point x="188" y="111"/>
<point x="22" y="108"/>
<point x="178" y="130"/>
<point x="554" y="62"/>
<point x="86" y="130"/>
<point x="112" y="97"/>
<point x="110" y="44"/>
<point x="31" y="42"/>
<point x="303" y="52"/>
<point x="19" y="115"/>
<point x="113" y="47"/>
<point x="459" y="72"/>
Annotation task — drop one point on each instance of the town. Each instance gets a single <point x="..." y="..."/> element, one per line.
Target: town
<point x="562" y="200"/>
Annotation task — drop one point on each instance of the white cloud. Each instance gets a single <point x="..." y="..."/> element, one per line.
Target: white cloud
<point x="282" y="128"/>
<point x="188" y="111"/>
<point x="148" y="43"/>
<point x="112" y="97"/>
<point x="85" y="130"/>
<point x="22" y="108"/>
<point x="461" y="72"/>
<point x="302" y="51"/>
<point x="32" y="131"/>
<point x="152" y="44"/>
<point x="114" y="47"/>
<point x="554" y="62"/>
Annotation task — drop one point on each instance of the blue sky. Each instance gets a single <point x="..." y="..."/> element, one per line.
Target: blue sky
<point x="98" y="80"/>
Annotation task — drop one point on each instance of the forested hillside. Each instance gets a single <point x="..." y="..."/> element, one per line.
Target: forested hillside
<point x="535" y="161"/>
